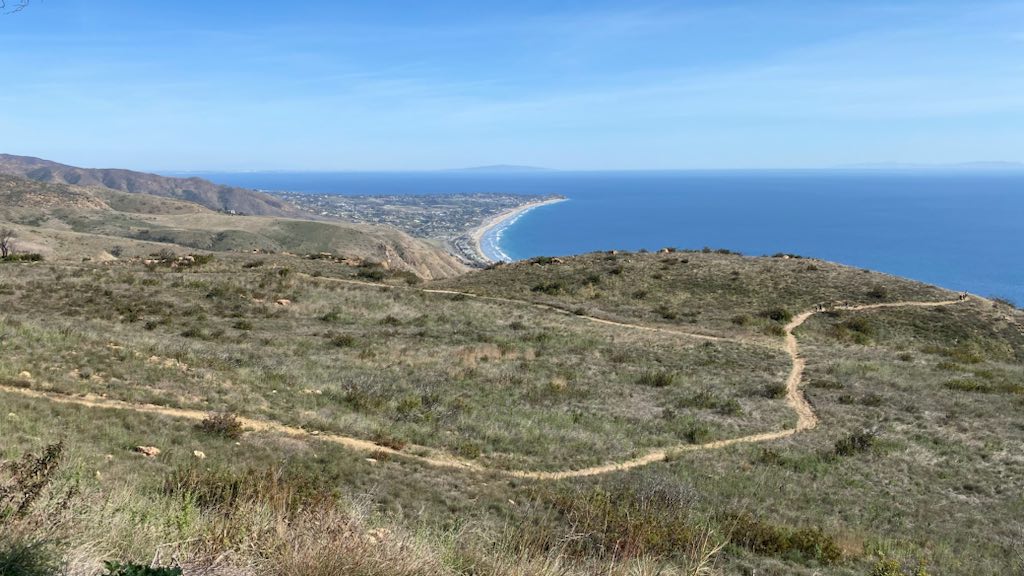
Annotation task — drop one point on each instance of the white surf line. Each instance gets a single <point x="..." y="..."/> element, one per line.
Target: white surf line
<point x="502" y="222"/>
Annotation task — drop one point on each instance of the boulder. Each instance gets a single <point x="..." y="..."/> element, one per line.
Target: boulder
<point x="148" y="451"/>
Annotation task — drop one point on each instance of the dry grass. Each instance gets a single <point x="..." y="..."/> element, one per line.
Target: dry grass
<point x="513" y="386"/>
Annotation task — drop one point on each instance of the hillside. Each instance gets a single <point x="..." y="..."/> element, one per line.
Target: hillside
<point x="676" y="413"/>
<point x="197" y="190"/>
<point x="74" y="222"/>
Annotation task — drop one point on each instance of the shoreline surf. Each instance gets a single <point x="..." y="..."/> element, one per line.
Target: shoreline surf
<point x="486" y="238"/>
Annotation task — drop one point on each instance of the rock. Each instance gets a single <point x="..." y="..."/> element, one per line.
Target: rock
<point x="371" y="460"/>
<point x="148" y="451"/>
<point x="283" y="302"/>
<point x="199" y="454"/>
<point x="24" y="375"/>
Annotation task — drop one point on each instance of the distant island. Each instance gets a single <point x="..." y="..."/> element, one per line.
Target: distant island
<point x="498" y="168"/>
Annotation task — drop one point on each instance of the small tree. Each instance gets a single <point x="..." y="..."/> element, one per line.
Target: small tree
<point x="6" y="236"/>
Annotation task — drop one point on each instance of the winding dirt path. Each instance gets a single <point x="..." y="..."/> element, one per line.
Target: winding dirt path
<point x="540" y="306"/>
<point x="806" y="419"/>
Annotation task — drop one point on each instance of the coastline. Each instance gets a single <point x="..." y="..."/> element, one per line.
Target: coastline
<point x="505" y="218"/>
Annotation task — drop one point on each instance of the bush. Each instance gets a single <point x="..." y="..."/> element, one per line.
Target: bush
<point x="342" y="340"/>
<point x="332" y="316"/>
<point x="878" y="293"/>
<point x="855" y="443"/>
<point x="28" y="558"/>
<point x="889" y="567"/>
<point x="372" y="274"/>
<point x="764" y="538"/>
<point x="656" y="378"/>
<point x="23" y="257"/>
<point x="552" y="288"/>
<point x="23" y="482"/>
<point x="131" y="569"/>
<point x="642" y="518"/>
<point x="775" y="390"/>
<point x="777" y="314"/>
<point x="222" y="424"/>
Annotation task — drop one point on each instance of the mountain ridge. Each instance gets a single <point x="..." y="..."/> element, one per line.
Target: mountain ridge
<point x="198" y="190"/>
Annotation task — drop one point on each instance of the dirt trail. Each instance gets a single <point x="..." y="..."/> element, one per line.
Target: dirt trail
<point x="548" y="307"/>
<point x="806" y="419"/>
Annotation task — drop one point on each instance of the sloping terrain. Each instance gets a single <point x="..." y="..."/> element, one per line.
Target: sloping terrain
<point x="197" y="190"/>
<point x="881" y="415"/>
<point x="73" y="222"/>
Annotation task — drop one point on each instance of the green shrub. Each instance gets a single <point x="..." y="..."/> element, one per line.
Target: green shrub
<point x="878" y="293"/>
<point x="777" y="314"/>
<point x="468" y="449"/>
<point x="555" y="287"/>
<point x="24" y="481"/>
<point x="222" y="424"/>
<point x="23" y="257"/>
<point x="762" y="537"/>
<point x="669" y="314"/>
<point x="889" y="567"/>
<point x="372" y="274"/>
<point x="645" y="517"/>
<point x="774" y="390"/>
<point x="342" y="340"/>
<point x="132" y="569"/>
<point x="656" y="378"/>
<point x="332" y="316"/>
<point x="20" y="557"/>
<point x="741" y="319"/>
<point x="855" y="443"/>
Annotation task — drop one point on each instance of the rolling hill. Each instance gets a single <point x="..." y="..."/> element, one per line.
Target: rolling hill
<point x="198" y="190"/>
<point x="63" y="221"/>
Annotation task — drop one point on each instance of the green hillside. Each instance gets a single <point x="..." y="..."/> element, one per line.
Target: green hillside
<point x="608" y="413"/>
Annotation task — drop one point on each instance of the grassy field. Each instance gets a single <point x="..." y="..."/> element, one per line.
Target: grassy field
<point x="916" y="461"/>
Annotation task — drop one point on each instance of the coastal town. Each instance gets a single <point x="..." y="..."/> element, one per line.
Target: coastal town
<point x="457" y="221"/>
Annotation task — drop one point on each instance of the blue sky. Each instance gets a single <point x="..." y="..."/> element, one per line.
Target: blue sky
<point x="339" y="85"/>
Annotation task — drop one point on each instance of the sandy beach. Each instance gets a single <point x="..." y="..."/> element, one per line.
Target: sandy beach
<point x="478" y="233"/>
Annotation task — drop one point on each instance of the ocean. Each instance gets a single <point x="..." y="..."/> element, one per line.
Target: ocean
<point x="963" y="230"/>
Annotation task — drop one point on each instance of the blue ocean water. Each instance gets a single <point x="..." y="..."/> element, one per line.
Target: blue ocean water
<point x="959" y="229"/>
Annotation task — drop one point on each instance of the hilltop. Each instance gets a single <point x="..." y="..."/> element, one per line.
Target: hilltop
<point x="682" y="412"/>
<point x="197" y="190"/>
